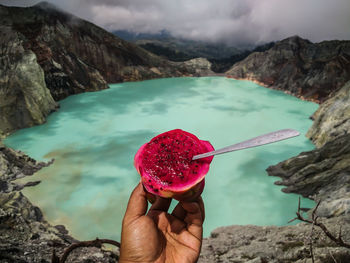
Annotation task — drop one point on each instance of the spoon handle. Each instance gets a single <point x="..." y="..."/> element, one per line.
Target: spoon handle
<point x="254" y="142"/>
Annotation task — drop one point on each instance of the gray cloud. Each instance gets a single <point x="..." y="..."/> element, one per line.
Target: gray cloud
<point x="229" y="21"/>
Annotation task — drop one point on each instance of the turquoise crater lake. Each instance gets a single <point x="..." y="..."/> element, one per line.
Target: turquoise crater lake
<point x="94" y="137"/>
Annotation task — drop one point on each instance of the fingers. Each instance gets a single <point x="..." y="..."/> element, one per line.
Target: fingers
<point x="161" y="204"/>
<point x="137" y="205"/>
<point x="194" y="217"/>
<point x="201" y="206"/>
<point x="179" y="212"/>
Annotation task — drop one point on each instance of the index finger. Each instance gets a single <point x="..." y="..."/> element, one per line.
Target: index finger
<point x="137" y="205"/>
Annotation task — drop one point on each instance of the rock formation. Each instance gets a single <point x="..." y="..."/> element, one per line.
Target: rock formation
<point x="24" y="98"/>
<point x="299" y="67"/>
<point x="332" y="118"/>
<point x="198" y="66"/>
<point x="322" y="175"/>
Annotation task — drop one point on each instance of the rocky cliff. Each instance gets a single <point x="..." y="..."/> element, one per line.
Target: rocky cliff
<point x="312" y="71"/>
<point x="332" y="119"/>
<point x="44" y="48"/>
<point x="324" y="173"/>
<point x="24" y="97"/>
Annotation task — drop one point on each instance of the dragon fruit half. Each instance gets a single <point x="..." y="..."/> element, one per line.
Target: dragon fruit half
<point x="166" y="167"/>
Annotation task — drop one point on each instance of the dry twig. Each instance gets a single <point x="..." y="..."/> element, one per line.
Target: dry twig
<point x="314" y="221"/>
<point x="91" y="243"/>
<point x="310" y="240"/>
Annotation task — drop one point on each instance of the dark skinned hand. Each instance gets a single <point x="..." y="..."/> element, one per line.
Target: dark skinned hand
<point x="156" y="235"/>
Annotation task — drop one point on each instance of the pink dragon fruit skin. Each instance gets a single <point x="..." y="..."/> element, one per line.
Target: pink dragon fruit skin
<point x="166" y="167"/>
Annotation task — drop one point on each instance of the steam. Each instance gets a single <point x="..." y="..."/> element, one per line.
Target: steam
<point x="240" y="22"/>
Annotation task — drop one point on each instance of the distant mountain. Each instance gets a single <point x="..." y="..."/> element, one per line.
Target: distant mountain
<point x="165" y="45"/>
<point x="178" y="49"/>
<point x="312" y="71"/>
<point x="48" y="54"/>
<point x="132" y="37"/>
<point x="224" y="64"/>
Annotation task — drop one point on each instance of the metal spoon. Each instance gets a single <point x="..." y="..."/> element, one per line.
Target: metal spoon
<point x="254" y="142"/>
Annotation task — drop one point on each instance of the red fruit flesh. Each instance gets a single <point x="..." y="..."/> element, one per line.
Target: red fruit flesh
<point x="166" y="167"/>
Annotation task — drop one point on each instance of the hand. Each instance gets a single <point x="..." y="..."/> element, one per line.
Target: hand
<point x="159" y="236"/>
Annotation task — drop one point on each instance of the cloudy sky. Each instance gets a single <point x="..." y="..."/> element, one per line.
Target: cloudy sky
<point x="230" y="21"/>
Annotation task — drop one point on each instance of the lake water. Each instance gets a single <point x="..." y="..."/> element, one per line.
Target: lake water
<point x="94" y="137"/>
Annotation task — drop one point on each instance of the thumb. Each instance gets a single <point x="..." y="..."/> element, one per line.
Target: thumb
<point x="137" y="205"/>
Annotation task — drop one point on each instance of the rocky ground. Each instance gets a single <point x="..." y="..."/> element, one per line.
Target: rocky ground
<point x="255" y="244"/>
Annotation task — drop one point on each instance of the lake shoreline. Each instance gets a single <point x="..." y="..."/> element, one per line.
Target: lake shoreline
<point x="85" y="141"/>
<point x="213" y="238"/>
<point x="269" y="86"/>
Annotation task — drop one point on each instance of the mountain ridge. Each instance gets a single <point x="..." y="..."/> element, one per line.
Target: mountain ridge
<point x="311" y="71"/>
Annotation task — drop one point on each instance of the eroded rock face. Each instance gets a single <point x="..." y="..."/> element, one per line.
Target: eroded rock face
<point x="299" y="67"/>
<point x="332" y="119"/>
<point x="199" y="67"/>
<point x="322" y="175"/>
<point x="24" y="98"/>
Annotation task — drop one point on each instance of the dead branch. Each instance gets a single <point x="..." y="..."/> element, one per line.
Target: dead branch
<point x="311" y="247"/>
<point x="314" y="221"/>
<point x="91" y="243"/>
